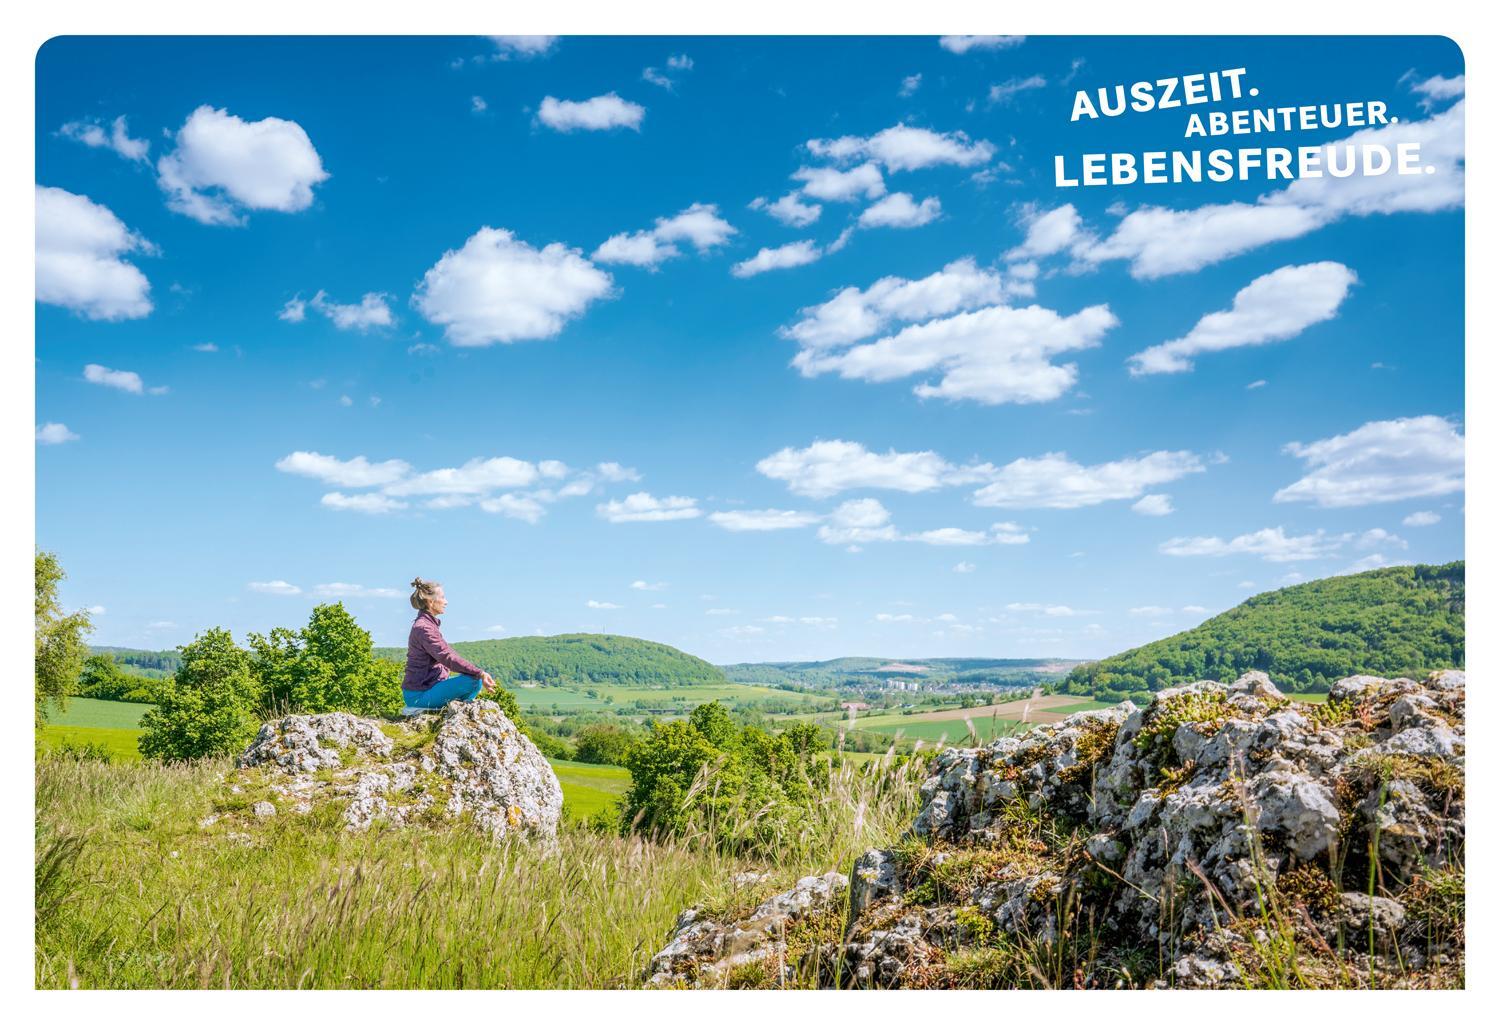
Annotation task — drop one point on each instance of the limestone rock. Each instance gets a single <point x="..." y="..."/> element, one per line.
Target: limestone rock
<point x="465" y="761"/>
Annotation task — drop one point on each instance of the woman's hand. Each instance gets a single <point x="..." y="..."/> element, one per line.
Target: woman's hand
<point x="487" y="681"/>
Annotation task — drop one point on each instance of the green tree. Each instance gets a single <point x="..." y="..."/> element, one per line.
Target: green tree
<point x="210" y="707"/>
<point x="327" y="666"/>
<point x="102" y="677"/>
<point x="59" y="638"/>
<point x="602" y="743"/>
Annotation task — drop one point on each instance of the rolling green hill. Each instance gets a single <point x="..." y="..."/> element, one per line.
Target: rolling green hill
<point x="1398" y="621"/>
<point x="857" y="671"/>
<point x="572" y="659"/>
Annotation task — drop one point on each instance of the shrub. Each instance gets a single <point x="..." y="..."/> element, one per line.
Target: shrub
<point x="603" y="743"/>
<point x="209" y="707"/>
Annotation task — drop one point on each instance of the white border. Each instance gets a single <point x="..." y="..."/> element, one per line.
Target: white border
<point x="30" y="24"/>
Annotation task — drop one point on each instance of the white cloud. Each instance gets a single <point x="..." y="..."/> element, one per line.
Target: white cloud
<point x="964" y="567"/>
<point x="371" y="311"/>
<point x="293" y="312"/>
<point x="54" y="434"/>
<point x="124" y="380"/>
<point x="700" y="225"/>
<point x="1436" y="89"/>
<point x="1056" y="611"/>
<point x="508" y="47"/>
<point x="835" y="186"/>
<point x="910" y="84"/>
<point x="741" y="520"/>
<point x="118" y="139"/>
<point x="793" y="254"/>
<point x="615" y="473"/>
<point x="79" y="265"/>
<point x="358" y="472"/>
<point x="995" y="355"/>
<point x="274" y="587"/>
<point x="1369" y="562"/>
<point x="1272" y="308"/>
<point x="1008" y="90"/>
<point x="354" y="591"/>
<point x="1150" y="610"/>
<point x="499" y="289"/>
<point x="474" y="477"/>
<point x="1261" y="383"/>
<point x="205" y="347"/>
<point x="1049" y="232"/>
<point x="825" y="468"/>
<point x="1194" y="610"/>
<point x="96" y="610"/>
<point x="1054" y="481"/>
<point x="1272" y="544"/>
<point x="643" y="507"/>
<point x="789" y="210"/>
<point x="600" y="113"/>
<point x="643" y="585"/>
<point x="854" y="314"/>
<point x="517" y="507"/>
<point x="1381" y="461"/>
<point x="721" y="612"/>
<point x="478" y="105"/>
<point x="904" y="148"/>
<point x="591" y="603"/>
<point x="1418" y="519"/>
<point x="1159" y="242"/>
<point x="1379" y="537"/>
<point x="1154" y="505"/>
<point x="367" y="503"/>
<point x="856" y="522"/>
<point x="1000" y="533"/>
<point x="899" y="211"/>
<point x="963" y="44"/>
<point x="223" y="164"/>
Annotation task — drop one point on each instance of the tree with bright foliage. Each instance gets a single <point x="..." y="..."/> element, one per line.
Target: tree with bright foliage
<point x="60" y="649"/>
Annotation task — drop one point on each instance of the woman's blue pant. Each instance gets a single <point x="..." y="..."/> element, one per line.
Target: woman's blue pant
<point x="451" y="688"/>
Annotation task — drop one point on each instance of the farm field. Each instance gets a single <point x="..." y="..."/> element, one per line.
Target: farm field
<point x="588" y="788"/>
<point x="577" y="699"/>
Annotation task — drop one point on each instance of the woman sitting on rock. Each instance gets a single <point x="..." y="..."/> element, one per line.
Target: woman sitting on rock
<point x="435" y="673"/>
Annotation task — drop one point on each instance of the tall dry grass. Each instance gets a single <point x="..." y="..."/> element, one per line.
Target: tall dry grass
<point x="131" y="893"/>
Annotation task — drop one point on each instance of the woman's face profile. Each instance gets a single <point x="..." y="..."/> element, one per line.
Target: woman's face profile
<point x="437" y="603"/>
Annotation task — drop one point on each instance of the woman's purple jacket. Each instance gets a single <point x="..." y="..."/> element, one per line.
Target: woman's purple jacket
<point x="429" y="658"/>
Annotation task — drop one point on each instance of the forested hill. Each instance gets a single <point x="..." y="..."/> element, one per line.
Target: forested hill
<point x="1398" y="621"/>
<point x="582" y="658"/>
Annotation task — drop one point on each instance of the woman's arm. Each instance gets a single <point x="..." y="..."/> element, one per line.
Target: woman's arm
<point x="443" y="654"/>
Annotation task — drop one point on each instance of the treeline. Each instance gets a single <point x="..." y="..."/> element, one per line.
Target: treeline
<point x="143" y="662"/>
<point x="583" y="659"/>
<point x="1399" y="621"/>
<point x="862" y="673"/>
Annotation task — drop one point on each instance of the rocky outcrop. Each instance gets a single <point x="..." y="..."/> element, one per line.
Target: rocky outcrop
<point x="1221" y="836"/>
<point x="466" y="762"/>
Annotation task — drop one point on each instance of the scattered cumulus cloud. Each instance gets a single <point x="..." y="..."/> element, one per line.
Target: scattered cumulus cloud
<point x="1005" y="92"/>
<point x="599" y="114"/>
<point x="116" y="138"/>
<point x="789" y="210"/>
<point x="223" y="165"/>
<point x="523" y="47"/>
<point x="591" y="603"/>
<point x="825" y="468"/>
<point x="371" y="311"/>
<point x="910" y="84"/>
<point x="1421" y="519"/>
<point x="963" y="44"/>
<point x="905" y="148"/>
<point x="358" y="472"/>
<point x="964" y="567"/>
<point x="1154" y="505"/>
<point x="374" y="504"/>
<point x="280" y="587"/>
<point x="80" y="265"/>
<point x="497" y="288"/>
<point x="54" y="434"/>
<point x="1273" y="544"/>
<point x="122" y="380"/>
<point x="1272" y="308"/>
<point x="793" y="254"/>
<point x="354" y="591"/>
<point x="1054" y="481"/>
<point x="835" y="186"/>
<point x="751" y="520"/>
<point x="643" y="507"/>
<point x="1381" y="461"/>
<point x="898" y="210"/>
<point x="699" y="225"/>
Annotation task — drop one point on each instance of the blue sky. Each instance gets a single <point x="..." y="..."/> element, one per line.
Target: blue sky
<point x="765" y="348"/>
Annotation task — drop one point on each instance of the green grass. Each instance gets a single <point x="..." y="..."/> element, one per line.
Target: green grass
<point x="97" y="713"/>
<point x="955" y="731"/>
<point x="132" y="893"/>
<point x="1315" y="699"/>
<point x="120" y="743"/>
<point x="589" y="788"/>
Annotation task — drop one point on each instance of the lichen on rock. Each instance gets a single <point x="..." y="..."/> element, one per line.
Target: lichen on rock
<point x="1220" y="836"/>
<point x="466" y="761"/>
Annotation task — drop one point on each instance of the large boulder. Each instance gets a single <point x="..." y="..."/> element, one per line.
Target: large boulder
<point x="466" y="762"/>
<point x="1182" y="835"/>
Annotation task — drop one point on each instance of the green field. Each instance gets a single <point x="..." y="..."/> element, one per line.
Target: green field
<point x="577" y="699"/>
<point x="588" y="788"/>
<point x="96" y="713"/>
